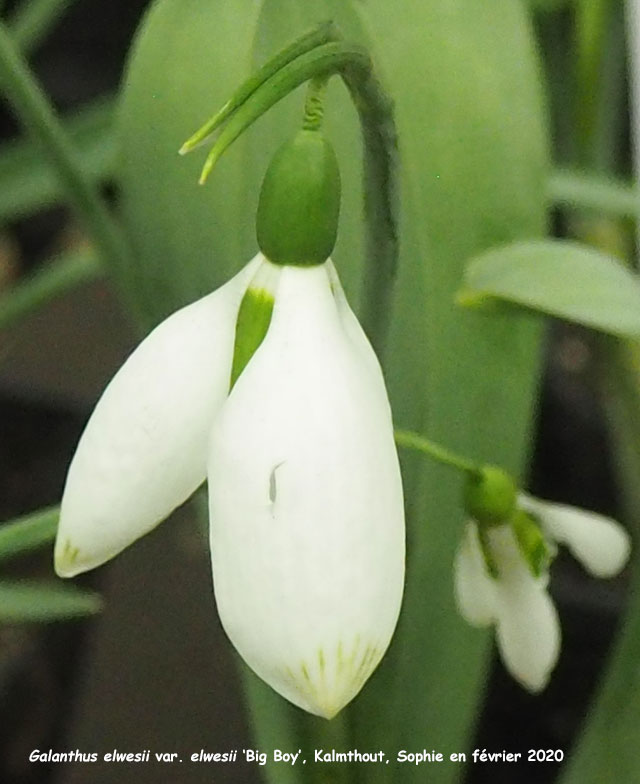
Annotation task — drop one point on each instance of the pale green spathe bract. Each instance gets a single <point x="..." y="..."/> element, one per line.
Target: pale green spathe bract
<point x="307" y="518"/>
<point x="516" y="600"/>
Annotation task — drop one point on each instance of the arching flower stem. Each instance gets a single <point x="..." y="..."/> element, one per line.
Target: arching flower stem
<point x="411" y="440"/>
<point x="317" y="56"/>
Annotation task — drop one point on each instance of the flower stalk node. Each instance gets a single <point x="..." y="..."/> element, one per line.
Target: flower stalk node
<point x="490" y="496"/>
<point x="314" y="104"/>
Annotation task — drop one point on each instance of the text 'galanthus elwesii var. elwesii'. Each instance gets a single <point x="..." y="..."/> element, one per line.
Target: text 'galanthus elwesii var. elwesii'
<point x="501" y="570"/>
<point x="305" y="496"/>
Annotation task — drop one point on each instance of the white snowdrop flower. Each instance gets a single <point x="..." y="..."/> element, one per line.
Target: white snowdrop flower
<point x="270" y="389"/>
<point x="501" y="578"/>
<point x="515" y="601"/>
<point x="144" y="449"/>
<point x="307" y="523"/>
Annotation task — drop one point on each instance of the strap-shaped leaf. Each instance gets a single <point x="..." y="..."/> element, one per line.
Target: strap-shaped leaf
<point x="31" y="602"/>
<point x="29" y="532"/>
<point x="29" y="183"/>
<point x="559" y="278"/>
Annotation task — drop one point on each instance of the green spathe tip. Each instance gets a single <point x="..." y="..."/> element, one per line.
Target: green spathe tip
<point x="299" y="202"/>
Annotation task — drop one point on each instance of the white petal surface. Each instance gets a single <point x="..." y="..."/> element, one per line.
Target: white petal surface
<point x="144" y="450"/>
<point x="475" y="589"/>
<point x="307" y="521"/>
<point x="350" y="324"/>
<point x="599" y="543"/>
<point x="528" y="630"/>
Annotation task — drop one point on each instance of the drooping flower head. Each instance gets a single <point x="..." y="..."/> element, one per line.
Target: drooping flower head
<point x="501" y="569"/>
<point x="270" y="388"/>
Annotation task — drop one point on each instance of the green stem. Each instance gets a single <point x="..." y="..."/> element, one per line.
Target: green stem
<point x="54" y="279"/>
<point x="33" y="20"/>
<point x="28" y="533"/>
<point x="314" y="104"/>
<point x="37" y="115"/>
<point x="411" y="440"/>
<point x="380" y="202"/>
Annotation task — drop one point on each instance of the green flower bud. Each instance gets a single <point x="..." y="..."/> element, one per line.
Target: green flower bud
<point x="490" y="498"/>
<point x="299" y="202"/>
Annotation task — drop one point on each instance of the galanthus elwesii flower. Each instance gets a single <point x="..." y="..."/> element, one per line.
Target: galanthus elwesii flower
<point x="292" y="427"/>
<point x="501" y="576"/>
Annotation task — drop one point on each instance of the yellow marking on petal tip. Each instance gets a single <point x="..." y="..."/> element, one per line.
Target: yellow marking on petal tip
<point x="69" y="553"/>
<point x="339" y="658"/>
<point x="328" y="688"/>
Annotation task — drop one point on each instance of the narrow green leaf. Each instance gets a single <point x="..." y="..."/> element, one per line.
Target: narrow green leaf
<point x="30" y="602"/>
<point x="34" y="19"/>
<point x="585" y="190"/>
<point x="29" y="532"/>
<point x="36" y="114"/>
<point x="559" y="278"/>
<point x="29" y="182"/>
<point x="54" y="279"/>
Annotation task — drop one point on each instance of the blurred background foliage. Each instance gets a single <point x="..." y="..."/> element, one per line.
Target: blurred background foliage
<point x="514" y="121"/>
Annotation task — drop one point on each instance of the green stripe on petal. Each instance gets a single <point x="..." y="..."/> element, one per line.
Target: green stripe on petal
<point x="254" y="318"/>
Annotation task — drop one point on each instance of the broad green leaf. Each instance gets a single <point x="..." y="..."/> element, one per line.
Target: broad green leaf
<point x="473" y="153"/>
<point x="548" y="5"/>
<point x="563" y="279"/>
<point x="187" y="239"/>
<point x="29" y="532"/>
<point x="28" y="182"/>
<point x="30" y="602"/>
